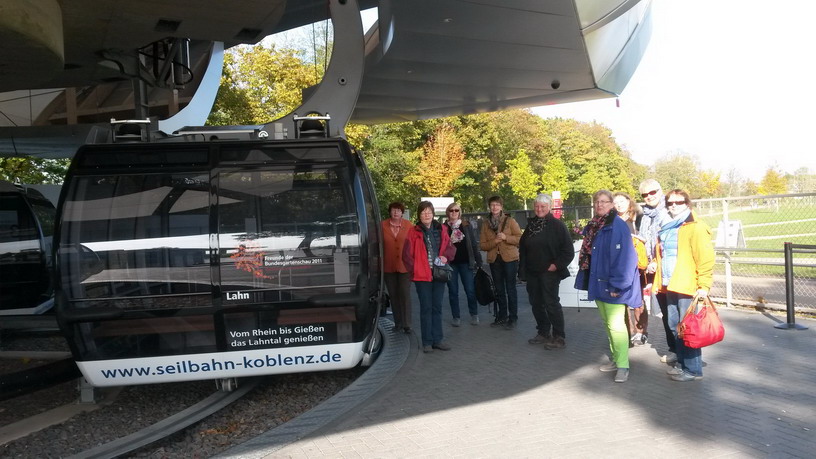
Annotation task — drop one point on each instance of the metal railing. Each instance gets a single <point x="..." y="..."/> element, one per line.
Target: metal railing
<point x="749" y="234"/>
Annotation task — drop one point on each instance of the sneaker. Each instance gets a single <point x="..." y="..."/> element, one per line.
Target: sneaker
<point x="510" y="325"/>
<point x="427" y="349"/>
<point x="474" y="320"/>
<point x="538" y="339"/>
<point x="456" y="322"/>
<point x="644" y="338"/>
<point x="671" y="357"/>
<point x="636" y="338"/>
<point x="685" y="376"/>
<point x="674" y="371"/>
<point x="609" y="367"/>
<point x="556" y="343"/>
<point x="498" y="323"/>
<point x="622" y="375"/>
<point x="442" y="346"/>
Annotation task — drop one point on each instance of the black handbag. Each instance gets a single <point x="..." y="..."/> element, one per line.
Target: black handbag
<point x="485" y="294"/>
<point x="442" y="273"/>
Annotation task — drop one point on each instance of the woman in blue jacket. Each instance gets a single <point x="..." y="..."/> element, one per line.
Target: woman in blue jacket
<point x="607" y="265"/>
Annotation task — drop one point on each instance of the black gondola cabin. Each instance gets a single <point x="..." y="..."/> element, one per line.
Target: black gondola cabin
<point x="186" y="261"/>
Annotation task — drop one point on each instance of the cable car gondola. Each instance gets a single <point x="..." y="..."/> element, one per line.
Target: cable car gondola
<point x="26" y="229"/>
<point x="213" y="260"/>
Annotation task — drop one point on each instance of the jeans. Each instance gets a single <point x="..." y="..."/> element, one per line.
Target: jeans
<point x="660" y="298"/>
<point x="430" y="311"/>
<point x="399" y="285"/>
<point x="462" y="271"/>
<point x="542" y="288"/>
<point x="613" y="317"/>
<point x="689" y="358"/>
<point x="671" y="335"/>
<point x="504" y="278"/>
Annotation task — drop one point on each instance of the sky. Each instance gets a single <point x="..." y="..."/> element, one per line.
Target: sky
<point x="730" y="82"/>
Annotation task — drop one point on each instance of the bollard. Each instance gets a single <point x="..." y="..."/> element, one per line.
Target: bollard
<point x="789" y="291"/>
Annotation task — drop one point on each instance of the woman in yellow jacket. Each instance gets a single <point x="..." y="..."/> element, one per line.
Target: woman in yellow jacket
<point x="685" y="263"/>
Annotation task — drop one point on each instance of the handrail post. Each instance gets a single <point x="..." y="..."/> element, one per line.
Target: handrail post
<point x="729" y="283"/>
<point x="789" y="291"/>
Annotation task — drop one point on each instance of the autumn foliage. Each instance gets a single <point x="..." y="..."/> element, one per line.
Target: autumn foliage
<point x="441" y="162"/>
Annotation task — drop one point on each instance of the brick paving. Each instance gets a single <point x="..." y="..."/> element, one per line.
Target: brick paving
<point x="494" y="395"/>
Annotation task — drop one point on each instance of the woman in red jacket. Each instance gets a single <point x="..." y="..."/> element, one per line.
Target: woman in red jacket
<point x="428" y="244"/>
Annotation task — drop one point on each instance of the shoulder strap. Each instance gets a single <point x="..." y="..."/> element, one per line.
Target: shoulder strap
<point x="469" y="245"/>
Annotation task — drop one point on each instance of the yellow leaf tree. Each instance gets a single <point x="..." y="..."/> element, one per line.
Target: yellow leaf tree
<point x="773" y="183"/>
<point x="442" y="161"/>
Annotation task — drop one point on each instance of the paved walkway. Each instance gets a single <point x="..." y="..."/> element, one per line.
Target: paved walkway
<point x="494" y="395"/>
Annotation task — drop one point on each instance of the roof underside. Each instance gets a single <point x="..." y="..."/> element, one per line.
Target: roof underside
<point x="424" y="58"/>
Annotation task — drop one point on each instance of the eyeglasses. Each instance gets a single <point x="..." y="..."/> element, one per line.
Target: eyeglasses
<point x="651" y="193"/>
<point x="675" y="203"/>
<point x="603" y="202"/>
<point x="454" y="210"/>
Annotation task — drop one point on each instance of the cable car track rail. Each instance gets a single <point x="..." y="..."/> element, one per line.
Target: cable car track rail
<point x="170" y="425"/>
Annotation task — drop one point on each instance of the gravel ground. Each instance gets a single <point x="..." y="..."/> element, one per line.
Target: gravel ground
<point x="34" y="341"/>
<point x="22" y="407"/>
<point x="276" y="400"/>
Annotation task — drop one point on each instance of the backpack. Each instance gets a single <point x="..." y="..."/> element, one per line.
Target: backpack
<point x="485" y="294"/>
<point x="640" y="249"/>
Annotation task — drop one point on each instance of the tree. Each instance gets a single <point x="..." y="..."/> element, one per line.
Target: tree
<point x="773" y="183"/>
<point x="709" y="184"/>
<point x="592" y="157"/>
<point x="260" y="84"/>
<point x="554" y="177"/>
<point x="733" y="184"/>
<point x="679" y="170"/>
<point x="523" y="181"/>
<point x="33" y="171"/>
<point x="751" y="188"/>
<point x="802" y="181"/>
<point x="390" y="163"/>
<point x="441" y="161"/>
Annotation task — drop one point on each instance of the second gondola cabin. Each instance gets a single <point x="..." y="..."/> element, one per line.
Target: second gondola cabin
<point x="213" y="260"/>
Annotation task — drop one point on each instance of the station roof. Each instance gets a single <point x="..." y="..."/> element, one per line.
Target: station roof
<point x="424" y="58"/>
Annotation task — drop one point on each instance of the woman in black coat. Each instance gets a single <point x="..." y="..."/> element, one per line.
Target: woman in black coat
<point x="545" y="251"/>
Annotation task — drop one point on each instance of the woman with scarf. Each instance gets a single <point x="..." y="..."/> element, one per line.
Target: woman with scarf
<point x="685" y="265"/>
<point x="545" y="252"/>
<point x="499" y="236"/>
<point x="464" y="263"/>
<point x="397" y="279"/>
<point x="428" y="244"/>
<point x="654" y="215"/>
<point x="607" y="270"/>
<point x="637" y="319"/>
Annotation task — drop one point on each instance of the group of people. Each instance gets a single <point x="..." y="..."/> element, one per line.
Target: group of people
<point x="630" y="257"/>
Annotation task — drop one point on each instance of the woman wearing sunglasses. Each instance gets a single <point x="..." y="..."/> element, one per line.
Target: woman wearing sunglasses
<point x="654" y="215"/>
<point x="464" y="263"/>
<point x="685" y="263"/>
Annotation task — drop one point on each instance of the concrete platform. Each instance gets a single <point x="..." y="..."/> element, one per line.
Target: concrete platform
<point x="495" y="395"/>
